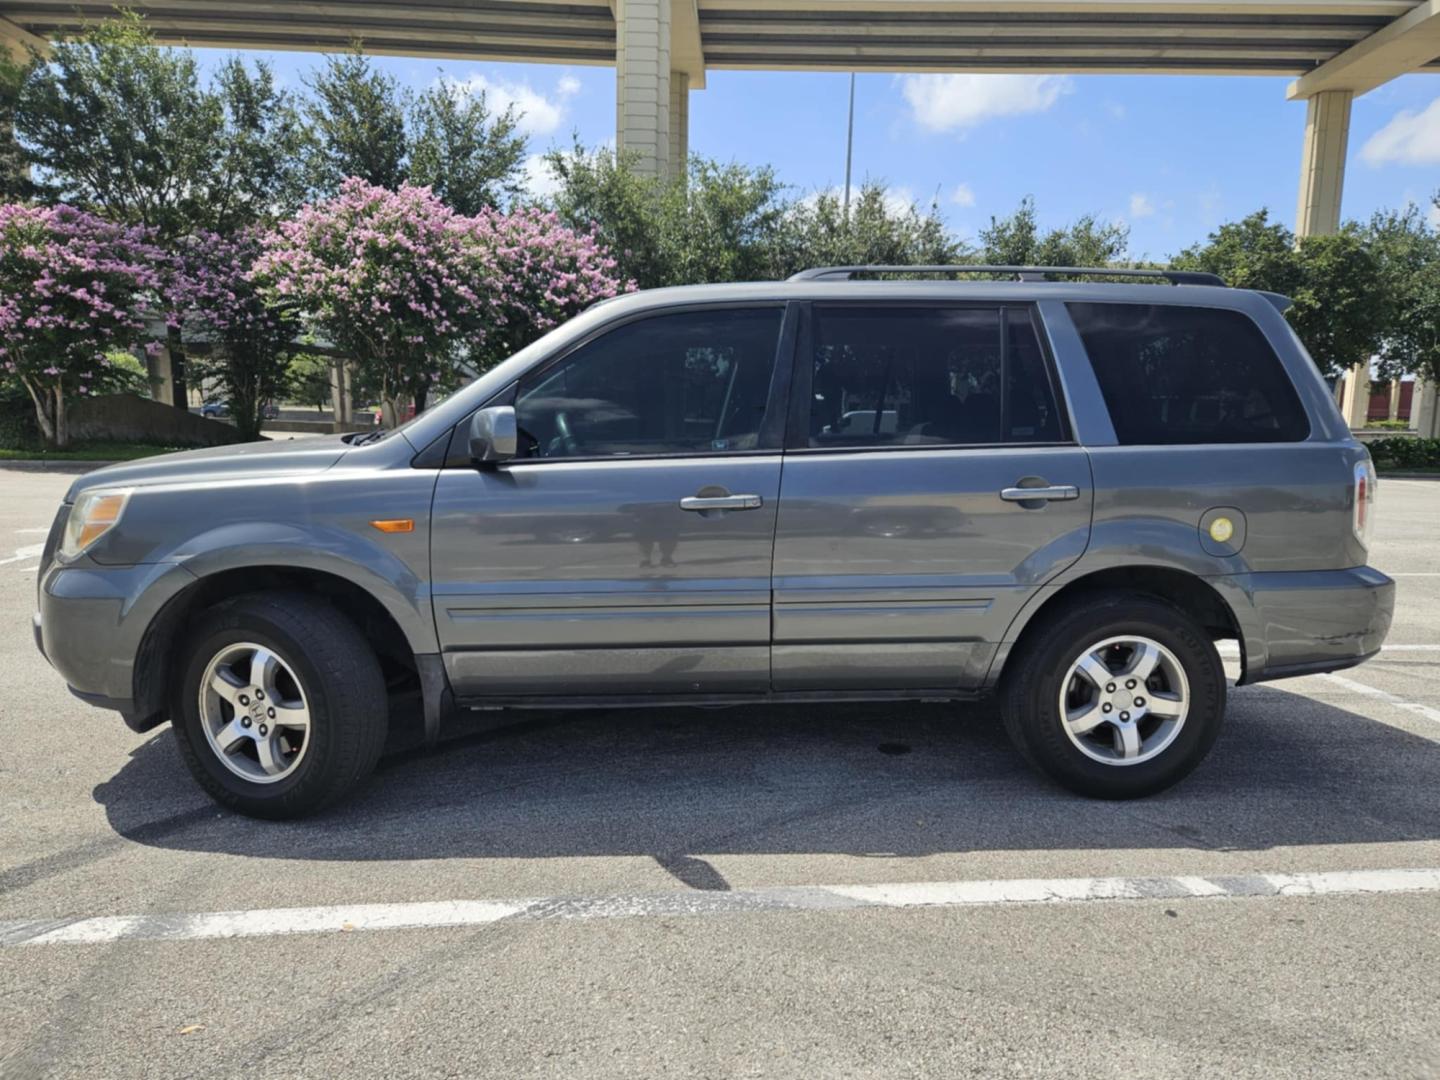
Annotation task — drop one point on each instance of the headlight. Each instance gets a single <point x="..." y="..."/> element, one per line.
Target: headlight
<point x="95" y="514"/>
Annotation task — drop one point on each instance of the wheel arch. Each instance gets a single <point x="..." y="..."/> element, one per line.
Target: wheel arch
<point x="1192" y="594"/>
<point x="159" y="656"/>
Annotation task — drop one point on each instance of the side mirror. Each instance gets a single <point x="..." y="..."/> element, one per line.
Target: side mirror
<point x="492" y="435"/>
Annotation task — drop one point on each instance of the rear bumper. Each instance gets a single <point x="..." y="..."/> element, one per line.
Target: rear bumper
<point x="1304" y="622"/>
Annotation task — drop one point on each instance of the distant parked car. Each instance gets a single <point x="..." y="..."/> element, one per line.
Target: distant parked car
<point x="217" y="407"/>
<point x="378" y="414"/>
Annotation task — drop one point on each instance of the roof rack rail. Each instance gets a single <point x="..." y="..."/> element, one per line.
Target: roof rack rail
<point x="1022" y="273"/>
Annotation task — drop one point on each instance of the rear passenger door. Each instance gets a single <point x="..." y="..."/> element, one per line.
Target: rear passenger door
<point x="906" y="539"/>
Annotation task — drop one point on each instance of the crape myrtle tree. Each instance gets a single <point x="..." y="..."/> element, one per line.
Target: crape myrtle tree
<point x="412" y="289"/>
<point x="213" y="297"/>
<point x="394" y="278"/>
<point x="545" y="273"/>
<point x="73" y="289"/>
<point x="120" y="127"/>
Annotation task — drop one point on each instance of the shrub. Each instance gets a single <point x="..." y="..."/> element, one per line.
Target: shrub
<point x="1403" y="453"/>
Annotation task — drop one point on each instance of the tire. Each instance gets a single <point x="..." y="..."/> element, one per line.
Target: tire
<point x="1151" y="750"/>
<point x="323" y="670"/>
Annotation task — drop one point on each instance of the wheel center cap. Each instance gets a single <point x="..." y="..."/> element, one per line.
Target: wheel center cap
<point x="1123" y="699"/>
<point x="257" y="710"/>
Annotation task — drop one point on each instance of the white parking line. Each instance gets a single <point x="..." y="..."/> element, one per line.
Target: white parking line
<point x="462" y="913"/>
<point x="1384" y="695"/>
<point x="32" y="551"/>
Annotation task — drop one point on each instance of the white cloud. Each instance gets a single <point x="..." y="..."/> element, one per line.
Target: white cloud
<point x="958" y="102"/>
<point x="539" y="114"/>
<point x="540" y="181"/>
<point x="1410" y="138"/>
<point x="1141" y="205"/>
<point x="963" y="195"/>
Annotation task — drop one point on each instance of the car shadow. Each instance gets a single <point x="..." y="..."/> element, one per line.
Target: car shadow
<point x="891" y="780"/>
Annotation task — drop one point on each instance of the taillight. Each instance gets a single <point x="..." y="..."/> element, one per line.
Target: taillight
<point x="1364" y="521"/>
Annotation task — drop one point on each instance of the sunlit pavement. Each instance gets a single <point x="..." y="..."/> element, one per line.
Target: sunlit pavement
<point x="825" y="892"/>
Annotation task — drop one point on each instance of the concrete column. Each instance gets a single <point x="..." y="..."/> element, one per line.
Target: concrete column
<point x="1394" y="410"/>
<point x="162" y="379"/>
<point x="1355" y="401"/>
<point x="1425" y="410"/>
<point x="340" y="403"/>
<point x="642" y="84"/>
<point x="1322" y="163"/>
<point x="679" y="124"/>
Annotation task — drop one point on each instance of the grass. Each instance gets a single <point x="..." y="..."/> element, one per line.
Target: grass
<point x="98" y="450"/>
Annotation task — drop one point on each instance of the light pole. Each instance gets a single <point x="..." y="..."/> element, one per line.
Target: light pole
<point x="849" y="146"/>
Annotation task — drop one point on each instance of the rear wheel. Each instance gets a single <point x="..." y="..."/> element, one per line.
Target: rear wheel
<point x="1117" y="697"/>
<point x="281" y="708"/>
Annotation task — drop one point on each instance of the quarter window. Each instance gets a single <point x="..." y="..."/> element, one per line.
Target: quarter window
<point x="1176" y="375"/>
<point x="916" y="376"/>
<point x="691" y="382"/>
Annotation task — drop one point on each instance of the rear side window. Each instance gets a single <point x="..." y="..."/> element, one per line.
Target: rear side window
<point x="928" y="376"/>
<point x="1174" y="375"/>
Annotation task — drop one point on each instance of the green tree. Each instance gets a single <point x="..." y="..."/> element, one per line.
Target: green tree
<point x="357" y="115"/>
<point x="731" y="222"/>
<point x="1018" y="241"/>
<point x="307" y="379"/>
<point x="125" y="129"/>
<point x="1252" y="253"/>
<point x="1340" y="306"/>
<point x="15" y="182"/>
<point x="1406" y="250"/>
<point x="469" y="157"/>
<point x="879" y="230"/>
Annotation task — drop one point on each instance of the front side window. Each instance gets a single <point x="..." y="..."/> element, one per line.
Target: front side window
<point x="917" y="376"/>
<point x="691" y="382"/>
<point x="1174" y="375"/>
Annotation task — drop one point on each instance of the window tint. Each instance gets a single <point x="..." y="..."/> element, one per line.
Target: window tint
<point x="692" y="382"/>
<point x="1176" y="375"/>
<point x="912" y="376"/>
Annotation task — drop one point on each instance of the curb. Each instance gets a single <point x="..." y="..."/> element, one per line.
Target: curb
<point x="1408" y="475"/>
<point x="79" y="466"/>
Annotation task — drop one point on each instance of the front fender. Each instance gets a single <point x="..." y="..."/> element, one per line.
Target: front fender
<point x="393" y="580"/>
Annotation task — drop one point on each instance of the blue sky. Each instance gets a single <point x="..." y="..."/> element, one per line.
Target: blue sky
<point x="1171" y="156"/>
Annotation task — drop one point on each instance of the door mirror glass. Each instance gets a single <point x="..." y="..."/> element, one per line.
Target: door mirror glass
<point x="492" y="434"/>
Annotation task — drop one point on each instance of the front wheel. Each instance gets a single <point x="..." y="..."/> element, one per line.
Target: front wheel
<point x="281" y="708"/>
<point x="1115" y="698"/>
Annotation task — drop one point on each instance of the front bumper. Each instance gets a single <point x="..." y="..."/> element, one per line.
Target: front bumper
<point x="1304" y="622"/>
<point x="92" y="622"/>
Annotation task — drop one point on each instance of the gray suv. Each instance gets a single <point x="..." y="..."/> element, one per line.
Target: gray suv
<point x="864" y="483"/>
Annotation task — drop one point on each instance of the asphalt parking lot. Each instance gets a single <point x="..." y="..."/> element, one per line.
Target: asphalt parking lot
<point x="823" y="892"/>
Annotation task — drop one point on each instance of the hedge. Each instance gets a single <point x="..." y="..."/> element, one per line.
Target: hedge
<point x="1401" y="453"/>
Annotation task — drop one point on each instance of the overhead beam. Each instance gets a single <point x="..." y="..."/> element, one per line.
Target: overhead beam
<point x="16" y="40"/>
<point x="687" y="49"/>
<point x="1410" y="42"/>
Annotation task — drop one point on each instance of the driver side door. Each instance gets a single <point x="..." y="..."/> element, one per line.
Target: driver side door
<point x="627" y="549"/>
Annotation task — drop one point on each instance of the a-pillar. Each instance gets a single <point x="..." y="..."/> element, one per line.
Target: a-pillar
<point x="679" y="125"/>
<point x="642" y="84"/>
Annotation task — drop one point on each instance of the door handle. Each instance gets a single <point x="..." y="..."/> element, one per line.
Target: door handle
<point x="702" y="503"/>
<point x="1040" y="494"/>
